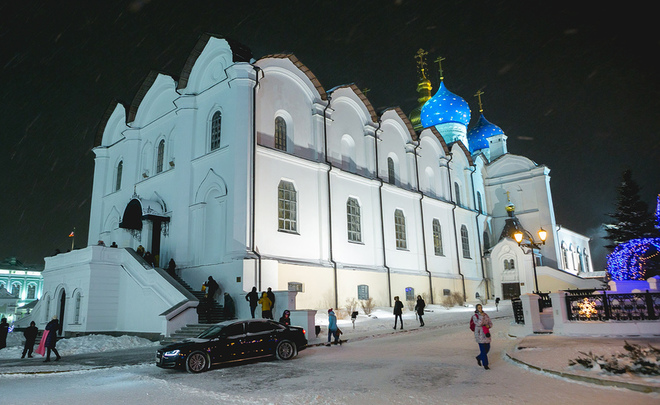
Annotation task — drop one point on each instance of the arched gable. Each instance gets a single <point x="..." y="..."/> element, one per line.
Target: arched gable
<point x="208" y="62"/>
<point x="510" y="164"/>
<point x="212" y="181"/>
<point x="154" y="99"/>
<point x="290" y="64"/>
<point x="111" y="220"/>
<point x="112" y="125"/>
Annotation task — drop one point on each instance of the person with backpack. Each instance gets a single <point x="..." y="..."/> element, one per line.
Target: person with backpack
<point x="480" y="324"/>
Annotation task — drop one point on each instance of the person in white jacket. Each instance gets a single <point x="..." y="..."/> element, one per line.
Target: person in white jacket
<point x="482" y="325"/>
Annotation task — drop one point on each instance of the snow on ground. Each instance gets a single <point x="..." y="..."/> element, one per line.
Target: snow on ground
<point x="77" y="345"/>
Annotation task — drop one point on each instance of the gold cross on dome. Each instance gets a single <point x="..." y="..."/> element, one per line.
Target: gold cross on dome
<point x="439" y="62"/>
<point x="481" y="107"/>
<point x="421" y="61"/>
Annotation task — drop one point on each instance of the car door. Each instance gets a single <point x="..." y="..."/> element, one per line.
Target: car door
<point x="260" y="337"/>
<point x="229" y="344"/>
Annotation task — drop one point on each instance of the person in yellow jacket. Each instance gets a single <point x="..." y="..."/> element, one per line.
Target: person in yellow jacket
<point x="266" y="306"/>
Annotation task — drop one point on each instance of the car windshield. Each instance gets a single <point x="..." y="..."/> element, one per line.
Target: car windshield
<point x="214" y="330"/>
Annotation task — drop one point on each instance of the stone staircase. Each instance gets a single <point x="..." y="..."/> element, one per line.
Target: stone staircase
<point x="215" y="312"/>
<point x="188" y="331"/>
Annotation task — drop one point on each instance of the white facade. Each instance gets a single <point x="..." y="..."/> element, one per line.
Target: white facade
<point x="252" y="173"/>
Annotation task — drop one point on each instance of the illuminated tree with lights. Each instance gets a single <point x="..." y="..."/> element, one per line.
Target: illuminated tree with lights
<point x="636" y="259"/>
<point x="632" y="219"/>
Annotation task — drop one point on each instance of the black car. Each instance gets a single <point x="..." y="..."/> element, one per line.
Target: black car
<point x="233" y="341"/>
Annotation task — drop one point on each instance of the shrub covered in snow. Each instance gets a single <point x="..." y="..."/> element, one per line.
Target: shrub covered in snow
<point x="636" y="360"/>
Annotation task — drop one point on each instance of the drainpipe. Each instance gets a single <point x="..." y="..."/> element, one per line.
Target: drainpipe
<point x="382" y="217"/>
<point x="253" y="248"/>
<point x="327" y="161"/>
<point x="421" y="211"/>
<point x="476" y="220"/>
<point x="453" y="215"/>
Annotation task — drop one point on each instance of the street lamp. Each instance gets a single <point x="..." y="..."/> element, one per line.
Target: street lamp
<point x="531" y="245"/>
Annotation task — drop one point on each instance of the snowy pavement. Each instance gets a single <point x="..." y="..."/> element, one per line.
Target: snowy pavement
<point x="547" y="354"/>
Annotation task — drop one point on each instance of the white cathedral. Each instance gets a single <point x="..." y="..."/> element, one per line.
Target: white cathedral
<point x="251" y="172"/>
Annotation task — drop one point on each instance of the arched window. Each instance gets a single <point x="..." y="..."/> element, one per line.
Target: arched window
<point x="216" y="129"/>
<point x="161" y="156"/>
<point x="465" y="240"/>
<point x="486" y="241"/>
<point x="287" y="207"/>
<point x="391" y="174"/>
<point x="585" y="255"/>
<point x="564" y="255"/>
<point x="76" y="313"/>
<point x="512" y="264"/>
<point x="437" y="238"/>
<point x="3" y="285"/>
<point x="15" y="289"/>
<point x="400" y="229"/>
<point x="280" y="133"/>
<point x="363" y="292"/>
<point x="353" y="220"/>
<point x="32" y="292"/>
<point x="120" y="169"/>
<point x="457" y="190"/>
<point x="479" y="203"/>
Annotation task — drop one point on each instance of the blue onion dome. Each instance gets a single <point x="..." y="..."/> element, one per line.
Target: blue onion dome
<point x="445" y="107"/>
<point x="478" y="136"/>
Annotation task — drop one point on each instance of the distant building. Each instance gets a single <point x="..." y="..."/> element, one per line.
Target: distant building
<point x="24" y="283"/>
<point x="251" y="172"/>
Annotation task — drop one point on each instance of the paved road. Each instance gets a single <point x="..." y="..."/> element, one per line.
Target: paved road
<point x="421" y="366"/>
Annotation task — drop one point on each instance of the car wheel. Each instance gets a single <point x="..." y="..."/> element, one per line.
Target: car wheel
<point x="197" y="362"/>
<point x="286" y="350"/>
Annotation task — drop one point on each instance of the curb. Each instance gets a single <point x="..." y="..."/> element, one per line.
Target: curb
<point x="618" y="384"/>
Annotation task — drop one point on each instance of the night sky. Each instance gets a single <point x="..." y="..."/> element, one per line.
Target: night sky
<point x="574" y="89"/>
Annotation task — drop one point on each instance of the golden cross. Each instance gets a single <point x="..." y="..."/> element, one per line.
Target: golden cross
<point x="507" y="197"/>
<point x="365" y="91"/>
<point x="421" y="61"/>
<point x="478" y="95"/>
<point x="439" y="62"/>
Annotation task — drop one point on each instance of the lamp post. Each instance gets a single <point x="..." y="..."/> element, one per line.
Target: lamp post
<point x="531" y="245"/>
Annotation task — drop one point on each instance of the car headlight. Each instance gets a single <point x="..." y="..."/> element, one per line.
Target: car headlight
<point x="171" y="353"/>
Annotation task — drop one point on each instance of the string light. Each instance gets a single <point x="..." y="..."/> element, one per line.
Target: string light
<point x="587" y="308"/>
<point x="628" y="261"/>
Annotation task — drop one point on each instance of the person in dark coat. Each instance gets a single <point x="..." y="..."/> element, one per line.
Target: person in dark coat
<point x="230" y="307"/>
<point x="30" y="334"/>
<point x="253" y="298"/>
<point x="171" y="267"/>
<point x="212" y="287"/>
<point x="286" y="318"/>
<point x="419" y="307"/>
<point x="53" y="328"/>
<point x="398" y="311"/>
<point x="4" y="331"/>
<point x="271" y="297"/>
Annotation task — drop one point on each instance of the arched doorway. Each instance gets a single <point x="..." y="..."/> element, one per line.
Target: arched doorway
<point x="60" y="316"/>
<point x="138" y="210"/>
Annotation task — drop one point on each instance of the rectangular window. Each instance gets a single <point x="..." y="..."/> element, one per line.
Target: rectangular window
<point x="353" y="220"/>
<point x="400" y="229"/>
<point x="287" y="207"/>
<point x="437" y="238"/>
<point x="363" y="292"/>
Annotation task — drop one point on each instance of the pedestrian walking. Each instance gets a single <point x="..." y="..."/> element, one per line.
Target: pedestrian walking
<point x="266" y="305"/>
<point x="253" y="298"/>
<point x="398" y="311"/>
<point x="212" y="288"/>
<point x="4" y="331"/>
<point x="482" y="325"/>
<point x="53" y="328"/>
<point x="419" y="308"/>
<point x="230" y="308"/>
<point x="333" y="330"/>
<point x="30" y="333"/>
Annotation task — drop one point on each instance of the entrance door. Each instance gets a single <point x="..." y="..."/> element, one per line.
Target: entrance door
<point x="61" y="314"/>
<point x="510" y="290"/>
